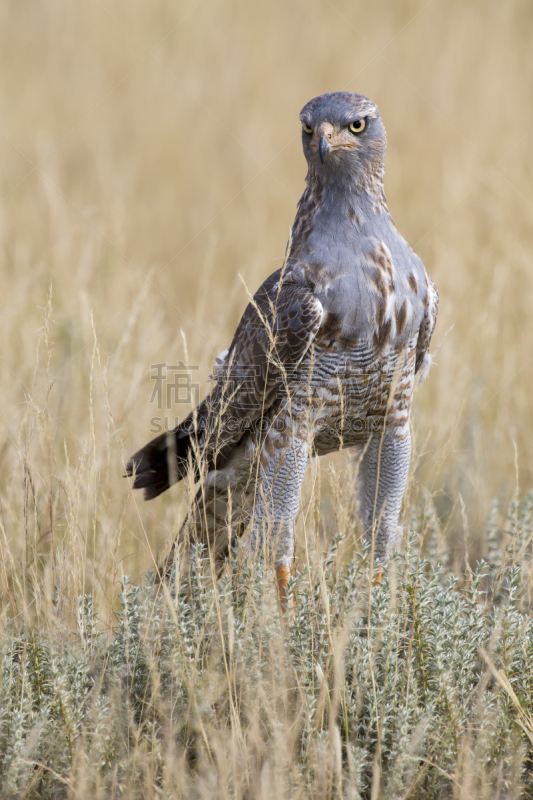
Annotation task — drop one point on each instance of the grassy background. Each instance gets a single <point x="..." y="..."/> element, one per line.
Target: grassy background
<point x="149" y="155"/>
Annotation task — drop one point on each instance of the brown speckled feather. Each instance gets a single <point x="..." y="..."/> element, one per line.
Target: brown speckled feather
<point x="274" y="333"/>
<point x="423" y="359"/>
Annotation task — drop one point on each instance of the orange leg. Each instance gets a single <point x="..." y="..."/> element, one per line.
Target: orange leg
<point x="282" y="575"/>
<point x="377" y="577"/>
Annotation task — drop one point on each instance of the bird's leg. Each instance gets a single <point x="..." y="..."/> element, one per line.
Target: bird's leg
<point x="382" y="478"/>
<point x="378" y="575"/>
<point x="283" y="460"/>
<point x="282" y="576"/>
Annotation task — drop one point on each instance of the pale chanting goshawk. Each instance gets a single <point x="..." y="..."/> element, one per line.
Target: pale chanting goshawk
<point x="324" y="357"/>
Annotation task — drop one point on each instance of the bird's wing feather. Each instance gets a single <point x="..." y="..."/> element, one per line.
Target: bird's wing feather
<point x="275" y="331"/>
<point x="427" y="326"/>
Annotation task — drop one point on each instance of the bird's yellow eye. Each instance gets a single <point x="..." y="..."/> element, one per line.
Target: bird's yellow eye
<point x="306" y="128"/>
<point x="357" y="126"/>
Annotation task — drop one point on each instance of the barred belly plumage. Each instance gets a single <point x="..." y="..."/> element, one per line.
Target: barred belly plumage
<point x="349" y="394"/>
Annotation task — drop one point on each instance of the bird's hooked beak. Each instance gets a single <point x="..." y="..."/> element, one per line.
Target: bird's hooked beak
<point x="326" y="136"/>
<point x="324" y="148"/>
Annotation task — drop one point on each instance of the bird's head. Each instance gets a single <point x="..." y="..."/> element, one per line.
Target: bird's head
<point x="342" y="133"/>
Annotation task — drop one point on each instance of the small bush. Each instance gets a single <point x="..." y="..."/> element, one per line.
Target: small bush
<point x="420" y="687"/>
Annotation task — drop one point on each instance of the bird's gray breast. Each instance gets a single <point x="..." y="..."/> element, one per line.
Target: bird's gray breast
<point x="373" y="289"/>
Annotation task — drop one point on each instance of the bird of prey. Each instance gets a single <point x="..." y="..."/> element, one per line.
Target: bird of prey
<point x="324" y="356"/>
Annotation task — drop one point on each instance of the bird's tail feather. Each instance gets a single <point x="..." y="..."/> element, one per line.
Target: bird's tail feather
<point x="167" y="459"/>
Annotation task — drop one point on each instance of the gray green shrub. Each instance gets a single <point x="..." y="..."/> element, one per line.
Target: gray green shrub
<point x="421" y="687"/>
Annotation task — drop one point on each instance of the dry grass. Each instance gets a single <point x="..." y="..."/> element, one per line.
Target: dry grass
<point x="150" y="152"/>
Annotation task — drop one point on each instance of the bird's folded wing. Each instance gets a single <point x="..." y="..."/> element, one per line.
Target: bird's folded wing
<point x="274" y="334"/>
<point x="423" y="358"/>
